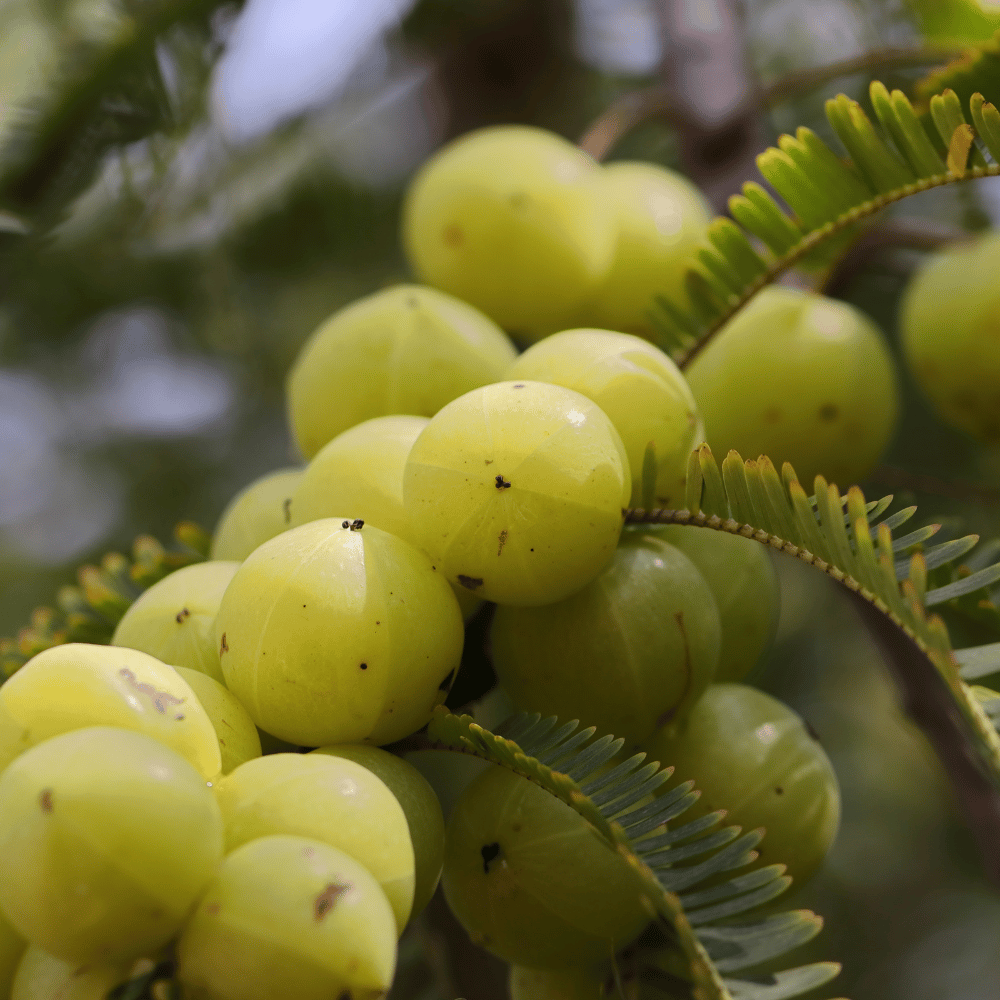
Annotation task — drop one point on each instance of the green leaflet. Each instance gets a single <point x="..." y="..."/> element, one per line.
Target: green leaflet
<point x="643" y="831"/>
<point x="842" y="537"/>
<point x="829" y="197"/>
<point x="90" y="611"/>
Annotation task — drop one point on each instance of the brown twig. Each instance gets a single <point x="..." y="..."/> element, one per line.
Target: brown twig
<point x="638" y="106"/>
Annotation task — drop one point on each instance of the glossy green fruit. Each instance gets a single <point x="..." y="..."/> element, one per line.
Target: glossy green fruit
<point x="12" y="947"/>
<point x="638" y="387"/>
<point x="173" y="619"/>
<point x="532" y="881"/>
<point x="744" y="583"/>
<point x="950" y="335"/>
<point x="289" y="917"/>
<point x="517" y="491"/>
<point x="326" y="798"/>
<point x="360" y="474"/>
<point x="78" y="685"/>
<point x="41" y="976"/>
<point x="334" y="634"/>
<point x="508" y="218"/>
<point x="420" y="806"/>
<point x="631" y="651"/>
<point x="257" y="513"/>
<point x="108" y="839"/>
<point x="408" y="349"/>
<point x="661" y="219"/>
<point x="802" y="379"/>
<point x="234" y="729"/>
<point x="754" y="757"/>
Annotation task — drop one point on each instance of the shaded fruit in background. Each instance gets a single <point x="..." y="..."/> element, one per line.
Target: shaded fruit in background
<point x="743" y="581"/>
<point x="532" y="881"/>
<point x="640" y="389"/>
<point x="360" y="474"/>
<point x="334" y="634"/>
<point x="420" y="806"/>
<point x="802" y="379"/>
<point x="257" y="513"/>
<point x="556" y="984"/>
<point x="78" y="685"/>
<point x="41" y="976"/>
<point x="237" y="735"/>
<point x="12" y="947"/>
<point x="660" y="218"/>
<point x="327" y="798"/>
<point x="409" y="349"/>
<point x="517" y="491"/>
<point x="950" y="335"/>
<point x="632" y="650"/>
<point x="173" y="619"/>
<point x="108" y="839"/>
<point x="508" y="218"/>
<point x="289" y="917"/>
<point x="754" y="757"/>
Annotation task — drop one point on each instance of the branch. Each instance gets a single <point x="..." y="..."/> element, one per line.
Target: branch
<point x="638" y="106"/>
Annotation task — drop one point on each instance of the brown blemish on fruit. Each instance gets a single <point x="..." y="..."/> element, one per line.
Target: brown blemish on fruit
<point x="327" y="899"/>
<point x="453" y="236"/>
<point x="160" y="699"/>
<point x="828" y="411"/>
<point x="489" y="461"/>
<point x="287" y="508"/>
<point x="671" y="712"/>
<point x="501" y="541"/>
<point x="212" y="909"/>
<point x="224" y="646"/>
<point x="520" y="385"/>
<point x="779" y="791"/>
<point x="45" y="800"/>
<point x="181" y="615"/>
<point x="470" y="582"/>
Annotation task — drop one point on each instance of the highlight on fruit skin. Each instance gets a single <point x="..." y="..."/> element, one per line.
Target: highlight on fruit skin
<point x="256" y="514"/>
<point x="742" y="578"/>
<point x="173" y="620"/>
<point x="508" y="219"/>
<point x="420" y="805"/>
<point x="339" y="632"/>
<point x="77" y="685"/>
<point x="518" y="491"/>
<point x="409" y="349"/>
<point x="754" y="757"/>
<point x="109" y="838"/>
<point x="800" y="378"/>
<point x="326" y="798"/>
<point x="532" y="881"/>
<point x="660" y="219"/>
<point x="632" y="650"/>
<point x="640" y="389"/>
<point x="950" y="335"/>
<point x="288" y="916"/>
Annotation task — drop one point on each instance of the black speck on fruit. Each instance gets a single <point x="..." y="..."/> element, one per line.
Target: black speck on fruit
<point x="490" y="852"/>
<point x="181" y="615"/>
<point x="364" y="666"/>
<point x="470" y="582"/>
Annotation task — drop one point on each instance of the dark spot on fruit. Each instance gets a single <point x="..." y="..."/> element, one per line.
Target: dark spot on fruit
<point x="779" y="791"/>
<point x="160" y="699"/>
<point x="364" y="666"/>
<point x="828" y="411"/>
<point x="327" y="899"/>
<point x="345" y="524"/>
<point x="287" y="508"/>
<point x="446" y="683"/>
<point x="212" y="909"/>
<point x="490" y="852"/>
<point x="181" y="615"/>
<point x="378" y="623"/>
<point x="179" y="718"/>
<point x="346" y="995"/>
<point x="532" y="550"/>
<point x="453" y="236"/>
<point x="224" y="646"/>
<point x="501" y="541"/>
<point x="520" y="385"/>
<point x="357" y="524"/>
<point x="502" y="483"/>
<point x="489" y="461"/>
<point x="45" y="800"/>
<point x="470" y="582"/>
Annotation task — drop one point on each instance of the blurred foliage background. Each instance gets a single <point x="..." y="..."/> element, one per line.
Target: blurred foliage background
<point x="176" y="242"/>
